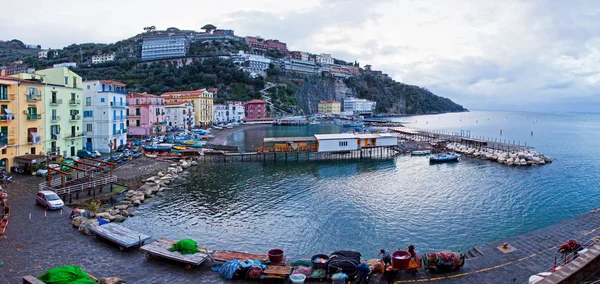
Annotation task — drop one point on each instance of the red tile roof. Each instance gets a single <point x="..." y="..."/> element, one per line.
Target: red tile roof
<point x="176" y="103"/>
<point x="111" y="82"/>
<point x="256" y="102"/>
<point x="132" y="95"/>
<point x="195" y="93"/>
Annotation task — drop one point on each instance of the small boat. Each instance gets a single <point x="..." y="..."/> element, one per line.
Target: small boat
<point x="161" y="147"/>
<point x="217" y="127"/>
<point x="151" y="155"/>
<point x="177" y="147"/>
<point x="444" y="158"/>
<point x="229" y="126"/>
<point x="420" y="152"/>
<point x="314" y="122"/>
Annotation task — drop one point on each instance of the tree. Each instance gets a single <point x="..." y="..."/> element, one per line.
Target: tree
<point x="209" y="28"/>
<point x="51" y="54"/>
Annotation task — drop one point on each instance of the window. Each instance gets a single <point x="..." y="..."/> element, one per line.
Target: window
<point x="89" y="127"/>
<point x="127" y="111"/>
<point x="66" y="80"/>
<point x="137" y="111"/>
<point x="88" y="87"/>
<point x="157" y="111"/>
<point x="114" y="115"/>
<point x="343" y="143"/>
<point x="55" y="129"/>
<point x="114" y="129"/>
<point x="137" y="122"/>
<point x="101" y="100"/>
<point x="4" y="151"/>
<point x="88" y="100"/>
<point x="4" y="131"/>
<point x="127" y="123"/>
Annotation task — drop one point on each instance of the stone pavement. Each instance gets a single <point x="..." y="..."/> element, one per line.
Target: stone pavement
<point x="30" y="248"/>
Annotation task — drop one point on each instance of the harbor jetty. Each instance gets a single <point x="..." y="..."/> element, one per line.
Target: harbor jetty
<point x="503" y="152"/>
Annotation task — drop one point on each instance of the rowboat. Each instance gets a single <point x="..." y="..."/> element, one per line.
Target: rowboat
<point x="151" y="155"/>
<point x="177" y="147"/>
<point x="420" y="152"/>
<point x="444" y="158"/>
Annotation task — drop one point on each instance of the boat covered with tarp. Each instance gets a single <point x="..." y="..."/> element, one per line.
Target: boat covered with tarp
<point x="444" y="158"/>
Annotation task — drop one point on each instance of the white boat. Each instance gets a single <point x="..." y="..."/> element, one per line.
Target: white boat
<point x="420" y="152"/>
<point x="218" y="127"/>
<point x="229" y="126"/>
<point x="315" y="122"/>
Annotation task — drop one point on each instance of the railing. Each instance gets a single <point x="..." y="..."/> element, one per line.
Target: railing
<point x="56" y="102"/>
<point x="34" y="98"/>
<point x="34" y="116"/>
<point x="7" y="97"/>
<point x="74" y="135"/>
<point x="74" y="102"/>
<point x="124" y="130"/>
<point x="7" y="117"/>
<point x="75" y="117"/>
<point x="55" y="118"/>
<point x="76" y="187"/>
<point x="117" y="132"/>
<point x="120" y="104"/>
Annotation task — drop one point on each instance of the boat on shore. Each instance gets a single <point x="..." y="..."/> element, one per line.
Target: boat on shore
<point x="444" y="158"/>
<point x="420" y="152"/>
<point x="161" y="147"/>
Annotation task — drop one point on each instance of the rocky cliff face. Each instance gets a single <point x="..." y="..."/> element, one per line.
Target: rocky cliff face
<point x="391" y="97"/>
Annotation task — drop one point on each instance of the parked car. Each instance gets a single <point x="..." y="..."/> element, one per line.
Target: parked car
<point x="128" y="145"/>
<point x="44" y="171"/>
<point x="83" y="153"/>
<point x="121" y="148"/>
<point x="49" y="200"/>
<point x="96" y="153"/>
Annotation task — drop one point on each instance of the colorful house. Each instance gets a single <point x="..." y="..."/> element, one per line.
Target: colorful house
<point x="202" y="100"/>
<point x="21" y="126"/>
<point x="104" y="114"/>
<point x="146" y="115"/>
<point x="255" y="109"/>
<point x="63" y="127"/>
<point x="180" y="115"/>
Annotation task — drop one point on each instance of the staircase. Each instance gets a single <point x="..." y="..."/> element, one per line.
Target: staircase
<point x="473" y="253"/>
<point x="267" y="99"/>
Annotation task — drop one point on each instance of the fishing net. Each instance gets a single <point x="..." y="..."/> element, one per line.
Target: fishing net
<point x="66" y="275"/>
<point x="185" y="246"/>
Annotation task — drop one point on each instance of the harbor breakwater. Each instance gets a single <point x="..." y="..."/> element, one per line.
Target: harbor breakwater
<point x="522" y="157"/>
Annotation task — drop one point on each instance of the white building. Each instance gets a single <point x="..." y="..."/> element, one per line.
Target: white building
<point x="359" y="106"/>
<point x="324" y="59"/>
<point x="105" y="111"/>
<point x="101" y="58"/>
<point x="300" y="66"/>
<point x="43" y="54"/>
<point x="164" y="46"/>
<point x="350" y="142"/>
<point x="66" y="64"/>
<point x="231" y="112"/>
<point x="180" y="115"/>
<point x="254" y="64"/>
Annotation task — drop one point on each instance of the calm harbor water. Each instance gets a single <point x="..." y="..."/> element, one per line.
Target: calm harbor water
<point x="318" y="207"/>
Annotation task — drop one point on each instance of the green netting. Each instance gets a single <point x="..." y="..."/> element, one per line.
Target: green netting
<point x="185" y="246"/>
<point x="65" y="275"/>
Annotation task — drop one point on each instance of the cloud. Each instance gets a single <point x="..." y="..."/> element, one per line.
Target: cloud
<point x="516" y="55"/>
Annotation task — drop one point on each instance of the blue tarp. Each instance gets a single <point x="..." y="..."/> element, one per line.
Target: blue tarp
<point x="101" y="221"/>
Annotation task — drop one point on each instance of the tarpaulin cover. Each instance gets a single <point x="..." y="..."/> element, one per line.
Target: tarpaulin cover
<point x="66" y="275"/>
<point x="185" y="246"/>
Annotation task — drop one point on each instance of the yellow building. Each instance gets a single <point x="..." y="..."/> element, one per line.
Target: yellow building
<point x="21" y="123"/>
<point x="330" y="107"/>
<point x="202" y="100"/>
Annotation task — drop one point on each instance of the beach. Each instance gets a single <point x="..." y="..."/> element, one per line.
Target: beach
<point x="222" y="134"/>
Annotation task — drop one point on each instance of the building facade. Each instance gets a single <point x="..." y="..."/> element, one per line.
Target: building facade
<point x="324" y="59"/>
<point x="202" y="100"/>
<point x="164" y="46"/>
<point x="273" y="44"/>
<point x="101" y="58"/>
<point x="21" y="124"/>
<point x="301" y="67"/>
<point x="180" y="115"/>
<point x="146" y="115"/>
<point x="255" y="109"/>
<point x="359" y="106"/>
<point x="63" y="133"/>
<point x="256" y="65"/>
<point x="104" y="114"/>
<point x="230" y="112"/>
<point x="65" y="64"/>
<point x="330" y="107"/>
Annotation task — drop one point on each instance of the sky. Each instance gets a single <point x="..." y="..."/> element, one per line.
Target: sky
<point x="486" y="55"/>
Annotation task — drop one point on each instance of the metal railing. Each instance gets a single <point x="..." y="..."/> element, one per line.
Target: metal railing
<point x="55" y="118"/>
<point x="7" y="97"/>
<point x="34" y="116"/>
<point x="76" y="187"/>
<point x="56" y="102"/>
<point x="74" y="102"/>
<point x="75" y="117"/>
<point x="34" y="98"/>
<point x="7" y="117"/>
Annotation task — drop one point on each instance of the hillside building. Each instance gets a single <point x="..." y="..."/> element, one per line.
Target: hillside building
<point x="101" y="58"/>
<point x="164" y="46"/>
<point x="255" y="109"/>
<point x="329" y="107"/>
<point x="359" y="106"/>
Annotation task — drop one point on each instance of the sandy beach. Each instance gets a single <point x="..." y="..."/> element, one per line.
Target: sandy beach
<point x="221" y="134"/>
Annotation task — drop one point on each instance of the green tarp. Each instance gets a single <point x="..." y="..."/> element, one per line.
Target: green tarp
<point x="65" y="275"/>
<point x="185" y="246"/>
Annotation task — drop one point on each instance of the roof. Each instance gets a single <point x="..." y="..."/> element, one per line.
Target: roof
<point x="330" y="101"/>
<point x="111" y="82"/>
<point x="289" y="139"/>
<point x="133" y="95"/>
<point x="256" y="102"/>
<point x="176" y="103"/>
<point x="335" y="136"/>
<point x="187" y="93"/>
<point x="20" y="80"/>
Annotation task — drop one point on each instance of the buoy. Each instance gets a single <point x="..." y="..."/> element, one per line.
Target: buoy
<point x="254" y="182"/>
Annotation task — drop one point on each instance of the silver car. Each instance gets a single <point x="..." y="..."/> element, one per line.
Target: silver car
<point x="49" y="200"/>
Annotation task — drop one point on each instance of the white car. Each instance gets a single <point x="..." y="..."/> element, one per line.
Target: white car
<point x="49" y="200"/>
<point x="43" y="172"/>
<point x="96" y="153"/>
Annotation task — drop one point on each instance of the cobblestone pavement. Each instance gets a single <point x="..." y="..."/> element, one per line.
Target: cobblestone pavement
<point x="31" y="247"/>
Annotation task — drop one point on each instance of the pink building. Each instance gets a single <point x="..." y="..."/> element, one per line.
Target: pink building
<point x="273" y="44"/>
<point x="255" y="109"/>
<point x="145" y="115"/>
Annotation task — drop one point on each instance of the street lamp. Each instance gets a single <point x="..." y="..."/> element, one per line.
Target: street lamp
<point x="110" y="145"/>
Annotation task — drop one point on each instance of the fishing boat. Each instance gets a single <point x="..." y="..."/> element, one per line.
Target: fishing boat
<point x="151" y="155"/>
<point x="420" y="152"/>
<point x="161" y="147"/>
<point x="217" y="127"/>
<point x="444" y="158"/>
<point x="178" y="147"/>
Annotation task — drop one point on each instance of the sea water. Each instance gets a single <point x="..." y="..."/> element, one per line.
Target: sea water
<point x="314" y="207"/>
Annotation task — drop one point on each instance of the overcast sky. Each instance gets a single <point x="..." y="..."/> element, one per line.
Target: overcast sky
<point x="495" y="55"/>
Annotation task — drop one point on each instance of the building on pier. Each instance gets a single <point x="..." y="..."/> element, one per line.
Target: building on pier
<point x="328" y="143"/>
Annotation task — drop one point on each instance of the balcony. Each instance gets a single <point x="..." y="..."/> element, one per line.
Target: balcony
<point x="56" y="102"/>
<point x="33" y="116"/>
<point x="74" y="135"/>
<point x="7" y="97"/>
<point x="117" y="132"/>
<point x="74" y="102"/>
<point x="124" y="130"/>
<point x="7" y="117"/>
<point x="119" y="104"/>
<point x="55" y="119"/>
<point x="75" y="117"/>
<point x="55" y="136"/>
<point x="34" y="97"/>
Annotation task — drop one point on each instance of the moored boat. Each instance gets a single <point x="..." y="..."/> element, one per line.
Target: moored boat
<point x="444" y="158"/>
<point x="178" y="147"/>
<point x="161" y="147"/>
<point x="420" y="152"/>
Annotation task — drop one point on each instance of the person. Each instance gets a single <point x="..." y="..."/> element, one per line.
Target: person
<point x="386" y="258"/>
<point x="363" y="272"/>
<point x="390" y="274"/>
